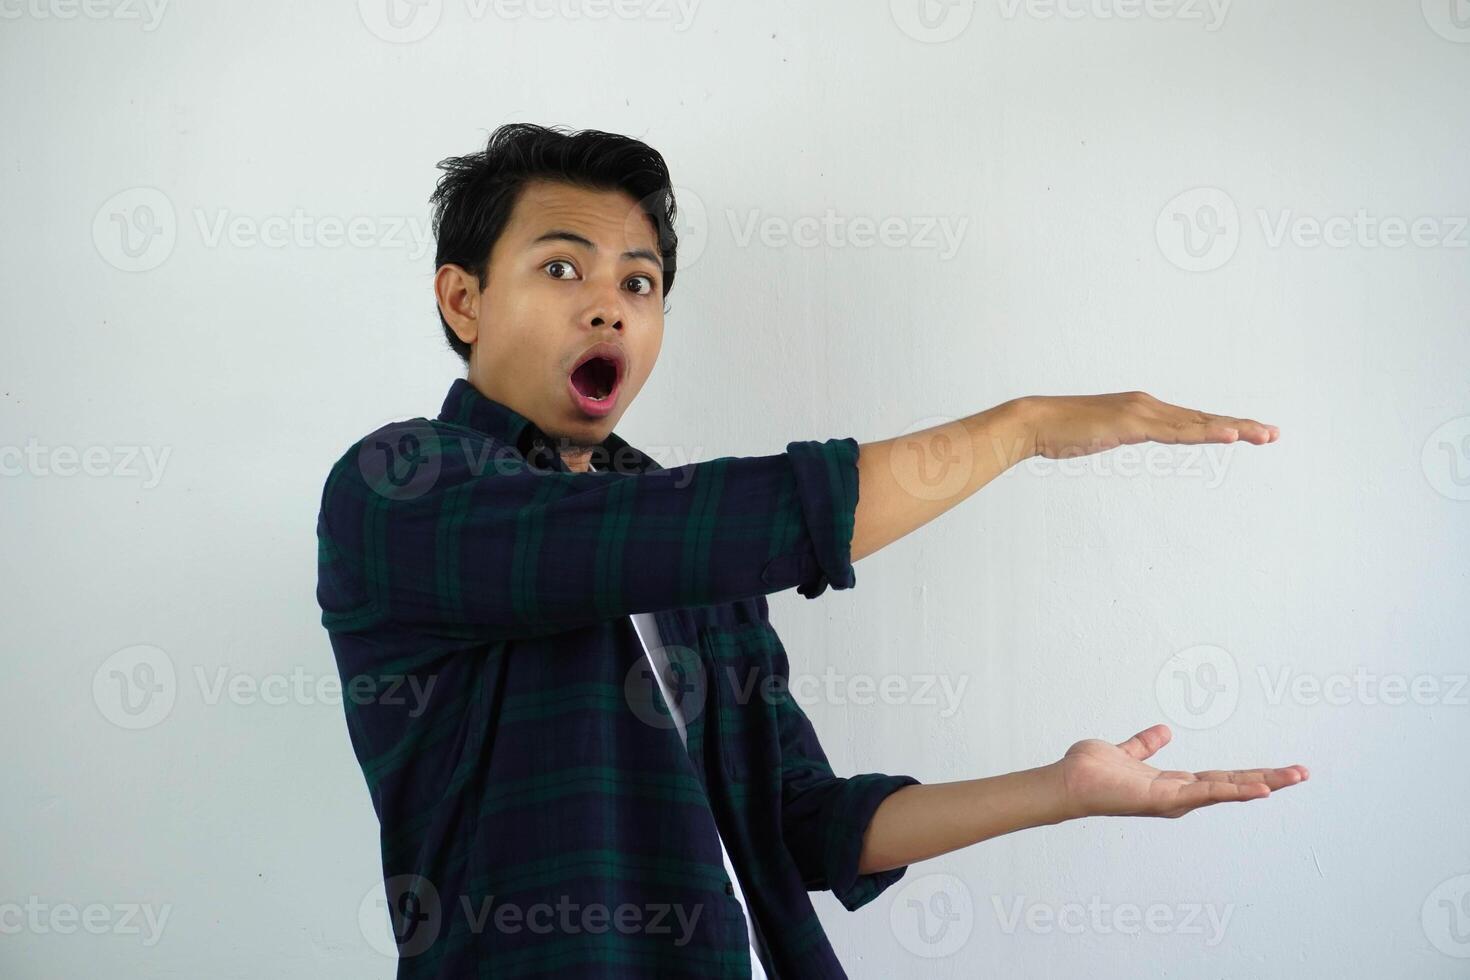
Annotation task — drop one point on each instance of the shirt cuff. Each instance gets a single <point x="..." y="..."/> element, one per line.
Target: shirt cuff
<point x="851" y="812"/>
<point x="827" y="487"/>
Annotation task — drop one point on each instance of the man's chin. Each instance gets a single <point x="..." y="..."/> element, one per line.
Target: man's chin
<point x="573" y="429"/>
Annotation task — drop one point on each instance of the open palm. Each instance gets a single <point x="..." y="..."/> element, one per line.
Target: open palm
<point x="1103" y="779"/>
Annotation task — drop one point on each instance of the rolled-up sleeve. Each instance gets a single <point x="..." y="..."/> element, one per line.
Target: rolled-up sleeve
<point x="825" y="816"/>
<point x="827" y="486"/>
<point x="472" y="544"/>
<point x="847" y="805"/>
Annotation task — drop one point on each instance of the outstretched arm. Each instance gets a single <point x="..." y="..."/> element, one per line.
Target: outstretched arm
<point x="906" y="482"/>
<point x="1095" y="778"/>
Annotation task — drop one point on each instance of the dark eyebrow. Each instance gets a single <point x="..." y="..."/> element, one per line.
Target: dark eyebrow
<point x="558" y="235"/>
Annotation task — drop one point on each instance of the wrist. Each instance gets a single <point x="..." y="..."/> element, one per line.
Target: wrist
<point x="1019" y="422"/>
<point x="1058" y="805"/>
<point x="1004" y="433"/>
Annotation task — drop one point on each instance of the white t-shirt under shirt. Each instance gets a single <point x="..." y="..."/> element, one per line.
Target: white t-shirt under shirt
<point x="647" y="630"/>
<point x="648" y="633"/>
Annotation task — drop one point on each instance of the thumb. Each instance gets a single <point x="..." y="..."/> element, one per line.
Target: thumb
<point x="1147" y="742"/>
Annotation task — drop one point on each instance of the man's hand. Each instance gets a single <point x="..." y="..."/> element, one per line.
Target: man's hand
<point x="1063" y="426"/>
<point x="907" y="481"/>
<point x="1094" y="779"/>
<point x="1101" y="779"/>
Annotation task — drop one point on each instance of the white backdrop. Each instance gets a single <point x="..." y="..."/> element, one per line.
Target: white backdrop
<point x="216" y="274"/>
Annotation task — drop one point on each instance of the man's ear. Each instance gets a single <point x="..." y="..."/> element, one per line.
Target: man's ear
<point x="458" y="293"/>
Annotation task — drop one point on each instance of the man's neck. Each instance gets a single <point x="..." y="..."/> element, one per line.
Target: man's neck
<point x="576" y="457"/>
<point x="578" y="460"/>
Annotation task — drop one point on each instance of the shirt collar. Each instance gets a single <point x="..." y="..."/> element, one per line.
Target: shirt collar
<point x="465" y="405"/>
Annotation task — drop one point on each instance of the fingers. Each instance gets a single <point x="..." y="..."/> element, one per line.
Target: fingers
<point x="1192" y="796"/>
<point x="1194" y="427"/>
<point x="1234" y="786"/>
<point x="1147" y="742"/>
<point x="1191" y="426"/>
<point x="1274" y="778"/>
<point x="1256" y="433"/>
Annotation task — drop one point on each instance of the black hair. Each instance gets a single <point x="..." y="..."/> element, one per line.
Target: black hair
<point x="477" y="192"/>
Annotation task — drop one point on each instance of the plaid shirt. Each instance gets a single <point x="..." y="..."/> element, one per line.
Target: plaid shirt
<point x="539" y="814"/>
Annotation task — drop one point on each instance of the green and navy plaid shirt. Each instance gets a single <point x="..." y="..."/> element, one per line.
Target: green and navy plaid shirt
<point x="539" y="814"/>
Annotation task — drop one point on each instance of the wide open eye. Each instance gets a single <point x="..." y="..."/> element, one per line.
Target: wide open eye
<point x="563" y="263"/>
<point x="646" y="279"/>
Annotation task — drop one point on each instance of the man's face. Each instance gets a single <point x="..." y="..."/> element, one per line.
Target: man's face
<point x="561" y="279"/>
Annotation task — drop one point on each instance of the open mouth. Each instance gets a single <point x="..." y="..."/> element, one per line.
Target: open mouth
<point x="596" y="378"/>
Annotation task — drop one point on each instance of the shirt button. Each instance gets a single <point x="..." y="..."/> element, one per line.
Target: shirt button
<point x="729" y="888"/>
